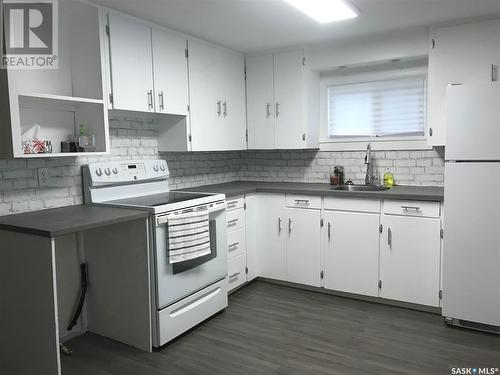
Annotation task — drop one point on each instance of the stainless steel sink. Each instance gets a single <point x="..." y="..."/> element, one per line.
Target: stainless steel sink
<point x="361" y="188"/>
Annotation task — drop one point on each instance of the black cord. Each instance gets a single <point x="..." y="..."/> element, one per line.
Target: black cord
<point x="83" y="292"/>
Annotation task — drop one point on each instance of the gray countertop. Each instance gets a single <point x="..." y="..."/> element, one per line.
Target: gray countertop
<point x="60" y="221"/>
<point x="232" y="189"/>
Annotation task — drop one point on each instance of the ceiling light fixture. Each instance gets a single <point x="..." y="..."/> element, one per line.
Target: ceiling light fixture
<point x="324" y="11"/>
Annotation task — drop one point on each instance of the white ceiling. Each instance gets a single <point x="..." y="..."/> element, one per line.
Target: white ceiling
<point x="252" y="25"/>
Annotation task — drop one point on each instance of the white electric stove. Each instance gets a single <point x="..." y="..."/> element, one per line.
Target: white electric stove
<point x="186" y="293"/>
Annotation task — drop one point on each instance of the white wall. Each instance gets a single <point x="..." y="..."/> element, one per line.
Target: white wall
<point x="369" y="50"/>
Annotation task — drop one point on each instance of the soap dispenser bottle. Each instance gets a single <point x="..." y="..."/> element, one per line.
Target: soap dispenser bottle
<point x="388" y="178"/>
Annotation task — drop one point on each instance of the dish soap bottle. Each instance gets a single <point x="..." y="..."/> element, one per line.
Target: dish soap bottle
<point x="388" y="178"/>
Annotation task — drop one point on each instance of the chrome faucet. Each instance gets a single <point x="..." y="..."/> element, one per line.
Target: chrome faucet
<point x="369" y="178"/>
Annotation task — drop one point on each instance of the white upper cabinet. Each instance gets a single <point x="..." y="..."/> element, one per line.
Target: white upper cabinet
<point x="260" y="102"/>
<point x="170" y="72"/>
<point x="148" y="67"/>
<point x="233" y="102"/>
<point x="461" y="54"/>
<point x="283" y="107"/>
<point x="130" y="58"/>
<point x="217" y="98"/>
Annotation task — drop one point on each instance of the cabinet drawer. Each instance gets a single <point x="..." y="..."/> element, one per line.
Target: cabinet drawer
<point x="235" y="219"/>
<point x="350" y="204"/>
<point x="303" y="201"/>
<point x="236" y="244"/>
<point x="235" y="203"/>
<point x="183" y="315"/>
<point x="236" y="272"/>
<point x="412" y="208"/>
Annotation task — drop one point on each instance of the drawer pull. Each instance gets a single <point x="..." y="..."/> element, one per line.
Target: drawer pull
<point x="389" y="237"/>
<point x="302" y="202"/>
<point x="233" y="245"/>
<point x="232" y="204"/>
<point x="407" y="208"/>
<point x="232" y="222"/>
<point x="234" y="275"/>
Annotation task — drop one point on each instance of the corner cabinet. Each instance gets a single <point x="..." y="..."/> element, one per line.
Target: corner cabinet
<point x="282" y="102"/>
<point x="217" y="98"/>
<point x="461" y="54"/>
<point x="58" y="101"/>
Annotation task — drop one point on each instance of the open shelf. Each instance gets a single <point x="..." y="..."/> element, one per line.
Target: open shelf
<point x="62" y="98"/>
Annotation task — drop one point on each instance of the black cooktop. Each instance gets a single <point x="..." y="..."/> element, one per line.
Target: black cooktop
<point x="155" y="200"/>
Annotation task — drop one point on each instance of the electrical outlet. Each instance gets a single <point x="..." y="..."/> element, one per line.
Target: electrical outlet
<point x="43" y="177"/>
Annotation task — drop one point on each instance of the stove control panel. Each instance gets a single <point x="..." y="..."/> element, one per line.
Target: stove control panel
<point x="113" y="172"/>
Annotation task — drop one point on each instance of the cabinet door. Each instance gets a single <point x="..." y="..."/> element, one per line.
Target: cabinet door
<point x="303" y="246"/>
<point x="205" y="96"/>
<point x="462" y="54"/>
<point x="260" y="102"/>
<point x="170" y="72"/>
<point x="350" y="243"/>
<point x="251" y="236"/>
<point x="233" y="135"/>
<point x="271" y="239"/>
<point x="290" y="92"/>
<point x="131" y="60"/>
<point x="410" y="259"/>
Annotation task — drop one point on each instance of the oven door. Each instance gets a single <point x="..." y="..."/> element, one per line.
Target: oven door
<point x="176" y="281"/>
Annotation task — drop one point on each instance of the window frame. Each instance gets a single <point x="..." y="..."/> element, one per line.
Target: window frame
<point x="338" y="78"/>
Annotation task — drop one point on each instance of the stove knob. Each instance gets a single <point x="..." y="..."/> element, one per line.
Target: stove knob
<point x="115" y="170"/>
<point x="155" y="168"/>
<point x="107" y="171"/>
<point x="98" y="171"/>
<point x="162" y="167"/>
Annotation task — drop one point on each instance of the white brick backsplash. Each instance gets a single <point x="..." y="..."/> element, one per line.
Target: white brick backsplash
<point x="132" y="138"/>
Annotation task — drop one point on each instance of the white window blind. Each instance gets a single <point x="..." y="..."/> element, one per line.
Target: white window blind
<point x="377" y="109"/>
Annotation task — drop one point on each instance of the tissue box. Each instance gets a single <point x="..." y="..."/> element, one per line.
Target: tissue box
<point x="37" y="147"/>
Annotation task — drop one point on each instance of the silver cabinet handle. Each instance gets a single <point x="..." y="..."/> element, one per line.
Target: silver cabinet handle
<point x="224" y="105"/>
<point x="160" y="99"/>
<point x="233" y="245"/>
<point x="277" y="109"/>
<point x="150" y="99"/>
<point x="280" y="225"/>
<point x="268" y="110"/>
<point x="494" y="73"/>
<point x="232" y="204"/>
<point x="406" y="208"/>
<point x="232" y="221"/>
<point x="329" y="231"/>
<point x="234" y="275"/>
<point x="289" y="225"/>
<point x="219" y="108"/>
<point x="389" y="237"/>
<point x="304" y="202"/>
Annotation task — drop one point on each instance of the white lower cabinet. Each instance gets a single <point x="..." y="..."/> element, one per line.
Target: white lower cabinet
<point x="410" y="253"/>
<point x="241" y="248"/>
<point x="389" y="249"/>
<point x="271" y="236"/>
<point x="303" y="246"/>
<point x="350" y="251"/>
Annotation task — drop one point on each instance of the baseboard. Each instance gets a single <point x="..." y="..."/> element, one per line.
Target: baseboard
<point x="384" y="301"/>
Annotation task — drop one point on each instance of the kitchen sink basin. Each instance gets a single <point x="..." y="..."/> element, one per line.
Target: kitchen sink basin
<point x="361" y="188"/>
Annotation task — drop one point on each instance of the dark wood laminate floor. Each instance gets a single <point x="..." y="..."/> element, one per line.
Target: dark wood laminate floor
<point x="271" y="329"/>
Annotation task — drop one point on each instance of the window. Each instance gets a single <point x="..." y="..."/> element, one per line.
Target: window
<point x="391" y="108"/>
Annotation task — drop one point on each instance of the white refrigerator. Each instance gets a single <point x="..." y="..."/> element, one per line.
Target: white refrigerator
<point x="471" y="257"/>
